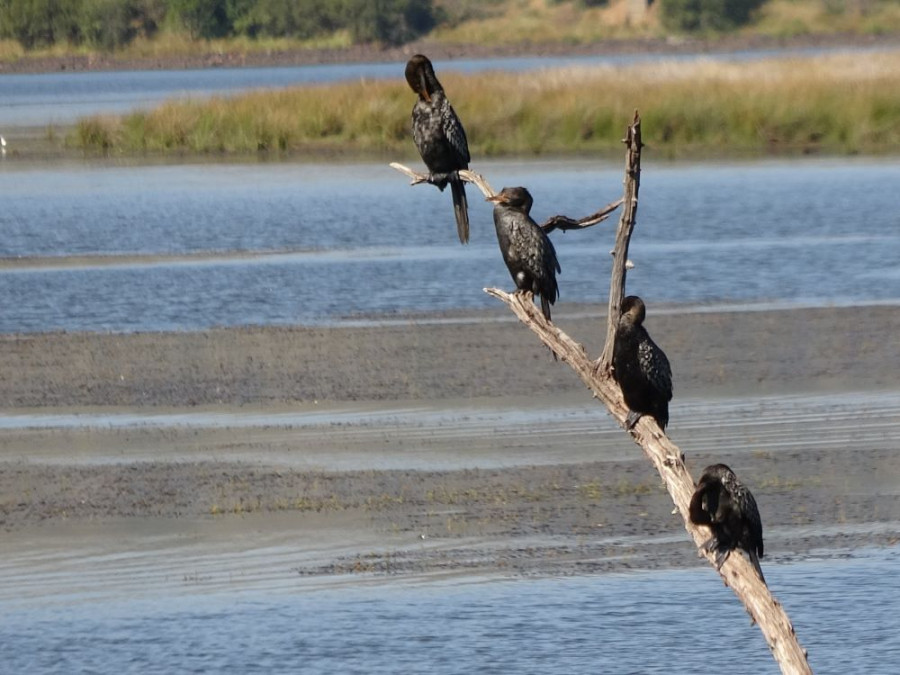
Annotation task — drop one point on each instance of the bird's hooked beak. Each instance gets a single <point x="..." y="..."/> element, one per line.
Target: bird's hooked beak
<point x="497" y="198"/>
<point x="424" y="83"/>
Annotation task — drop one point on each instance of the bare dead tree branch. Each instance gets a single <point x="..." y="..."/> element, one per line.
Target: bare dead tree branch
<point x="554" y="223"/>
<point x="736" y="572"/>
<point x="468" y="176"/>
<point x="566" y="223"/>
<point x="627" y="221"/>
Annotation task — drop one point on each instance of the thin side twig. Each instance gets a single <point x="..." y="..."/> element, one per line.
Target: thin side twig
<point x="565" y="223"/>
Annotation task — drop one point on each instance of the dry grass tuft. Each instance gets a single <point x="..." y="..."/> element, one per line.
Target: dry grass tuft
<point x="838" y="104"/>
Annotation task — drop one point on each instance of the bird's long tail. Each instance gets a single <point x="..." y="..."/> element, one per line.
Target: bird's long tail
<point x="460" y="208"/>
<point x="545" y="310"/>
<point x="754" y="559"/>
<point x="662" y="416"/>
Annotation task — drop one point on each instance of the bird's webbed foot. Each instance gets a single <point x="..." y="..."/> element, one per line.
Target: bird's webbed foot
<point x="527" y="295"/>
<point x="710" y="544"/>
<point x="722" y="552"/>
<point x="632" y="419"/>
<point x="721" y="556"/>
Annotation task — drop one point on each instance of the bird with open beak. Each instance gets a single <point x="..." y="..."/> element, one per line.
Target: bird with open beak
<point x="527" y="250"/>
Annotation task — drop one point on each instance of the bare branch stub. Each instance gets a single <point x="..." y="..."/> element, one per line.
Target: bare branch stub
<point x="627" y="220"/>
<point x="415" y="175"/>
<point x="467" y="175"/>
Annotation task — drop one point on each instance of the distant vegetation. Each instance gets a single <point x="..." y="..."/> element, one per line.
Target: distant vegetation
<point x="834" y="104"/>
<point x="111" y="24"/>
<point x="141" y="27"/>
<point x="707" y="15"/>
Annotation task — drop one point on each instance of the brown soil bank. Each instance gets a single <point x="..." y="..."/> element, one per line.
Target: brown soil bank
<point x="483" y="355"/>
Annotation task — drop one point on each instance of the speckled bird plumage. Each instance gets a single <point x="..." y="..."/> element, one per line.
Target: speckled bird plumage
<point x="439" y="137"/>
<point x="527" y="250"/>
<point x="725" y="505"/>
<point x="640" y="366"/>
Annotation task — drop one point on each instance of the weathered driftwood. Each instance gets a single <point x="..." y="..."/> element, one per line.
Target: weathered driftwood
<point x="737" y="572"/>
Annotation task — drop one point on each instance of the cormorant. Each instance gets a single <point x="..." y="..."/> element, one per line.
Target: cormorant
<point x="727" y="507"/>
<point x="527" y="251"/>
<point x="440" y="137"/>
<point x="640" y="366"/>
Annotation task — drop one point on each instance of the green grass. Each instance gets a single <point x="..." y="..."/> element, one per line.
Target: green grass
<point x="833" y="104"/>
<point x="11" y="51"/>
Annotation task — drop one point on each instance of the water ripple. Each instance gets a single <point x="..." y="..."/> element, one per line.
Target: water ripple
<point x="187" y="248"/>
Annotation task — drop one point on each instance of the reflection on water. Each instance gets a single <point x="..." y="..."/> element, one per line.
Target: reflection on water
<point x="659" y="622"/>
<point x="356" y="239"/>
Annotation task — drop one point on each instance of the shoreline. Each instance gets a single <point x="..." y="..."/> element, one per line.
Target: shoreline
<point x="103" y="136"/>
<point x="835" y="134"/>
<point x="439" y="51"/>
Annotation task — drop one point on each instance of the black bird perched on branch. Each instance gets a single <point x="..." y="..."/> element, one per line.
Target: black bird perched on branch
<point x="640" y="366"/>
<point x="440" y="137"/>
<point x="527" y="250"/>
<point x="727" y="507"/>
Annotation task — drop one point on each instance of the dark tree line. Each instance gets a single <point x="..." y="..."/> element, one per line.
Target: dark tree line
<point x="707" y="15"/>
<point x="109" y="24"/>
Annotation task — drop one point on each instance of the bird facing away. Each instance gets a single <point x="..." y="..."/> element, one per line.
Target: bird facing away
<point x="640" y="366"/>
<point x="727" y="507"/>
<point x="527" y="250"/>
<point x="440" y="137"/>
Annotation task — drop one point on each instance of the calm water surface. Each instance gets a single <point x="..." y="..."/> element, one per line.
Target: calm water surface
<point x="661" y="622"/>
<point x="351" y="240"/>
